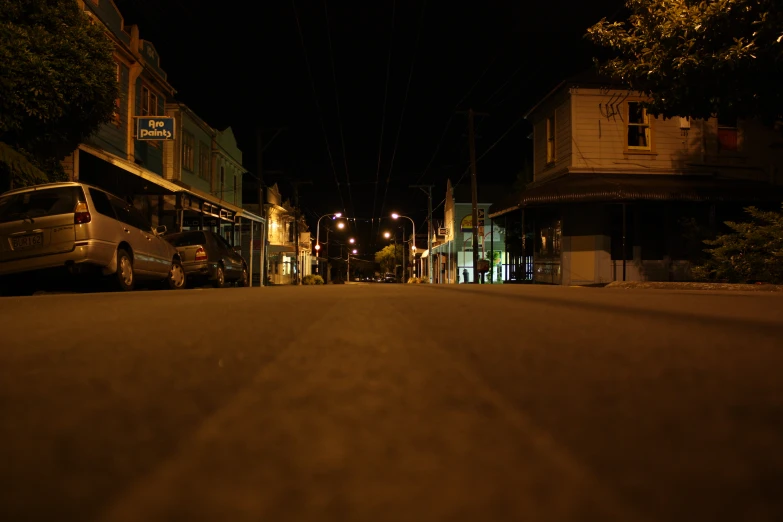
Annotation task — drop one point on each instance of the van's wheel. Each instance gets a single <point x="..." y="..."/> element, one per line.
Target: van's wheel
<point x="177" y="278"/>
<point x="220" y="277"/>
<point x="124" y="276"/>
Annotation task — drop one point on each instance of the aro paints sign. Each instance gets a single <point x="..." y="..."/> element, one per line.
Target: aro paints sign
<point x="154" y="128"/>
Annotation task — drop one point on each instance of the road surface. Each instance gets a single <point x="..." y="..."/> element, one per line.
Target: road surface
<point x="404" y="403"/>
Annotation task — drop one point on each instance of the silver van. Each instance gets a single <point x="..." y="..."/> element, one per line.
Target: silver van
<point x="83" y="228"/>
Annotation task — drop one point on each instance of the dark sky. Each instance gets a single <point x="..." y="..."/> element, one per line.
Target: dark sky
<point x="242" y="64"/>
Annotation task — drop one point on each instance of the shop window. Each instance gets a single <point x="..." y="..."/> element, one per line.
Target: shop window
<point x="549" y="240"/>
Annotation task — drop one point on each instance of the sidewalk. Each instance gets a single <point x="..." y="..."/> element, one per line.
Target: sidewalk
<point x="695" y="286"/>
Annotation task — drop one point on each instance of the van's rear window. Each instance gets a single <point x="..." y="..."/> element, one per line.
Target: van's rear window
<point x="38" y="203"/>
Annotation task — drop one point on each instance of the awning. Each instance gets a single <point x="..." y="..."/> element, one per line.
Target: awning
<point x="132" y="168"/>
<point x="276" y="249"/>
<point x="250" y="216"/>
<point x="589" y="188"/>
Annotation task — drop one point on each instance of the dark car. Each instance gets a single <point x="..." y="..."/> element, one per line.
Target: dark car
<point x="209" y="257"/>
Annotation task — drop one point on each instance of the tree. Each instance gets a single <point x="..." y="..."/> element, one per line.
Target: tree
<point x="752" y="252"/>
<point x="699" y="58"/>
<point x="58" y="84"/>
<point x="389" y="257"/>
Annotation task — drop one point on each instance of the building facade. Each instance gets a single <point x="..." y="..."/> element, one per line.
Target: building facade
<point x="169" y="175"/>
<point x="613" y="186"/>
<point x="453" y="250"/>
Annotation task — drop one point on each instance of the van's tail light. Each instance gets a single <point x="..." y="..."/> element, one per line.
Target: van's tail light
<point x="81" y="214"/>
<point x="201" y="254"/>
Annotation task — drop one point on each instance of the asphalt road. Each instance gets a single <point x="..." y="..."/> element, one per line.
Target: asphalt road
<point x="404" y="403"/>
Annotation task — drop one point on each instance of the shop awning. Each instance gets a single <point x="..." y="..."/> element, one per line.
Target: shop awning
<point x="589" y="188"/>
<point x="276" y="249"/>
<point x="250" y="216"/>
<point x="167" y="186"/>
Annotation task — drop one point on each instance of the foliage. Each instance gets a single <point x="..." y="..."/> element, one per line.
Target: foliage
<point x="312" y="279"/>
<point x="389" y="257"/>
<point x="752" y="252"/>
<point x="57" y="83"/>
<point x="699" y="58"/>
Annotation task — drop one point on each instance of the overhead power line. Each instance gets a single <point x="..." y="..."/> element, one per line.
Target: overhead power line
<point x="318" y="104"/>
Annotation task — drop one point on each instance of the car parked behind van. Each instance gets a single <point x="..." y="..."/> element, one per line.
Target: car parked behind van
<point x="85" y="230"/>
<point x="209" y="257"/>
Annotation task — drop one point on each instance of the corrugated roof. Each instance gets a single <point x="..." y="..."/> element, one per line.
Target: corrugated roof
<point x="588" y="188"/>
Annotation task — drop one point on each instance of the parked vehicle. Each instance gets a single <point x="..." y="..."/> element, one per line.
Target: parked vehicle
<point x="83" y="229"/>
<point x="207" y="256"/>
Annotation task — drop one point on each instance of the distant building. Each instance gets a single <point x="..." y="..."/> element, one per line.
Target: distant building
<point x="612" y="185"/>
<point x="453" y="248"/>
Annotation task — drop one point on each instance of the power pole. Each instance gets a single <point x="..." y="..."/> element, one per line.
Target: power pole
<point x="296" y="184"/>
<point x="260" y="148"/>
<point x="263" y="240"/>
<point x="428" y="190"/>
<point x="474" y="185"/>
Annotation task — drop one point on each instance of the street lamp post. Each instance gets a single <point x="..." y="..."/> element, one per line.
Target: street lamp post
<point x="413" y="241"/>
<point x="318" y="240"/>
<point x="348" y="276"/>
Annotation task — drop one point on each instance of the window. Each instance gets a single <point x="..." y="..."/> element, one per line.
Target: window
<point x="45" y="202"/>
<point x="727" y="133"/>
<point x="129" y="215"/>
<point x="222" y="180"/>
<point x="638" y="127"/>
<point x="101" y="203"/>
<point x="235" y="190"/>
<point x="550" y="139"/>
<point x="149" y="102"/>
<point x="203" y="161"/>
<point x="188" y="239"/>
<point x="116" y="115"/>
<point x="187" y="151"/>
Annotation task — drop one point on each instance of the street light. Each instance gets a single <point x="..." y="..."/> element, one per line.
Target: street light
<point x="354" y="251"/>
<point x="318" y="235"/>
<point x="352" y="241"/>
<point x="413" y="240"/>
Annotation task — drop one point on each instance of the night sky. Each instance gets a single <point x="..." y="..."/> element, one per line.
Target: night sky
<point x="242" y="64"/>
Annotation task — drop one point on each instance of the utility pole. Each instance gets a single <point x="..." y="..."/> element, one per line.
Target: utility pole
<point x="295" y="184"/>
<point x="428" y="190"/>
<point x="263" y="240"/>
<point x="474" y="185"/>
<point x="404" y="264"/>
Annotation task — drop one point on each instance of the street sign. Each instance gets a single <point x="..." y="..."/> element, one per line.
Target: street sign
<point x="154" y="128"/>
<point x="443" y="231"/>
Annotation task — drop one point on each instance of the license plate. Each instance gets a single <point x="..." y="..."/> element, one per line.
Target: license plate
<point x="29" y="241"/>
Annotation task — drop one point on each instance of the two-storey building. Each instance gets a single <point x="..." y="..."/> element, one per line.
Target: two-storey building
<point x="281" y="257"/>
<point x="453" y="254"/>
<point x="183" y="177"/>
<point x="614" y="186"/>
